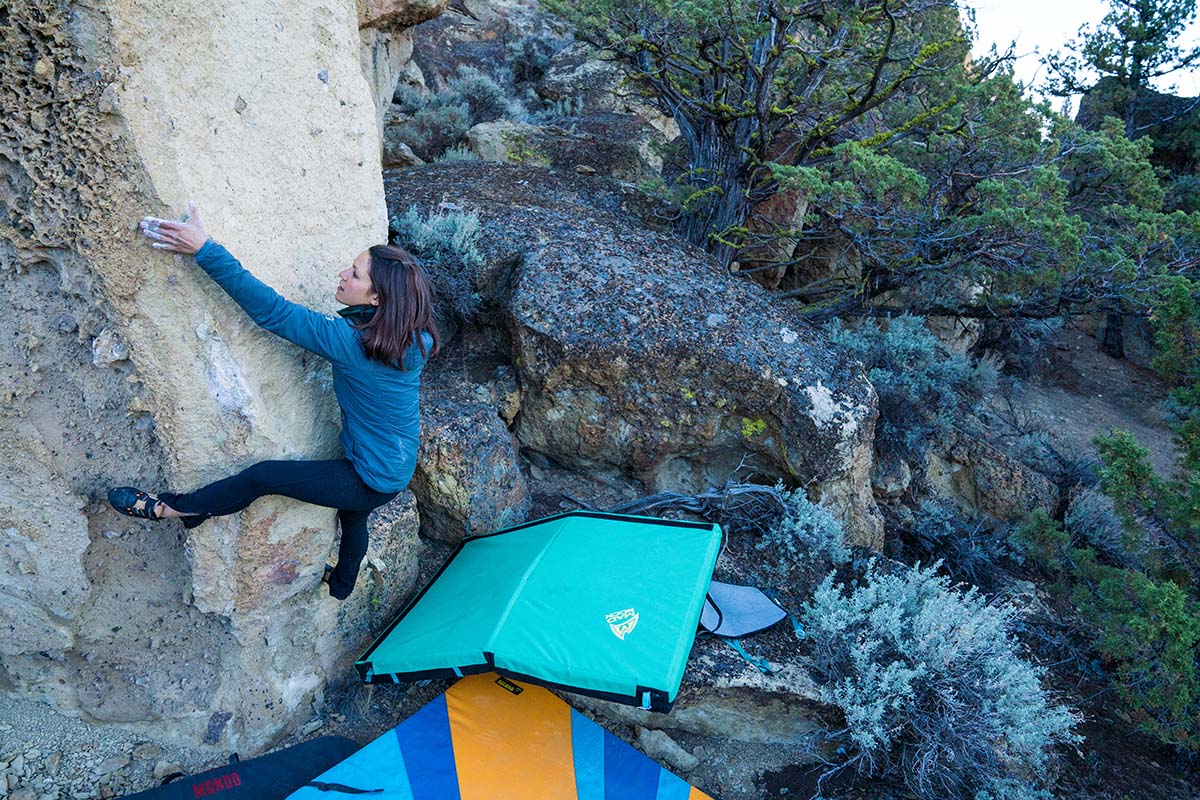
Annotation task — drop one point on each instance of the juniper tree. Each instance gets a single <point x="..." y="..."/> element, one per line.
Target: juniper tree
<point x="1135" y="43"/>
<point x="756" y="83"/>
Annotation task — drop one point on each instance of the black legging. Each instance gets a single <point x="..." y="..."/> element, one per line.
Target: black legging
<point x="334" y="484"/>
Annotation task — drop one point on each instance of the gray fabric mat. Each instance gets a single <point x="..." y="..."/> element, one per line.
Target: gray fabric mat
<point x="743" y="610"/>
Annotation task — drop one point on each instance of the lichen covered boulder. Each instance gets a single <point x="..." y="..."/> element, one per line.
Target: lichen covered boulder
<point x="635" y="350"/>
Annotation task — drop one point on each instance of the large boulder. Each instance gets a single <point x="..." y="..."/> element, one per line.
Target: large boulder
<point x="127" y="365"/>
<point x="635" y="351"/>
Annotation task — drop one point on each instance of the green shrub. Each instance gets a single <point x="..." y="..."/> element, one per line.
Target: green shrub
<point x="446" y="242"/>
<point x="487" y="100"/>
<point x="432" y="128"/>
<point x="932" y="685"/>
<point x="969" y="547"/>
<point x="1147" y="630"/>
<point x="922" y="390"/>
<point x="805" y="542"/>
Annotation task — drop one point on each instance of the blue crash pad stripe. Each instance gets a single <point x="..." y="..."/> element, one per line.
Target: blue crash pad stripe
<point x="671" y="786"/>
<point x="424" y="738"/>
<point x="628" y="775"/>
<point x="379" y="765"/>
<point x="587" y="749"/>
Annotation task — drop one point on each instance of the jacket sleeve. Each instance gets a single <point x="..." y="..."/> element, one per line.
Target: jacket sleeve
<point x="328" y="337"/>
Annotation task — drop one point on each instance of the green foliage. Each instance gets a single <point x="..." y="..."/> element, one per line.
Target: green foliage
<point x="1135" y="43"/>
<point x="932" y="685"/>
<point x="437" y="121"/>
<point x="754" y="84"/>
<point x="922" y="390"/>
<point x="1146" y="628"/>
<point x="805" y="542"/>
<point x="446" y="242"/>
<point x="486" y="100"/>
<point x="968" y="548"/>
<point x="1176" y="323"/>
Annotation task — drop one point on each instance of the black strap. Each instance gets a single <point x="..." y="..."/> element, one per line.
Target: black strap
<point x="340" y="787"/>
<point x="720" y="615"/>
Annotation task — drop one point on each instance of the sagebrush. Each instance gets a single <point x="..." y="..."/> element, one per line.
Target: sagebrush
<point x="446" y="241"/>
<point x="923" y="390"/>
<point x="804" y="542"/>
<point x="932" y="685"/>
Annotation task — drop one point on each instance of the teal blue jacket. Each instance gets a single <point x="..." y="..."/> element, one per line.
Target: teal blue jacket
<point x="380" y="405"/>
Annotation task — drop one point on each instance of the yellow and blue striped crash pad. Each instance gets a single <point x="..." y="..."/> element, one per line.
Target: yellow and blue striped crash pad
<point x="489" y="738"/>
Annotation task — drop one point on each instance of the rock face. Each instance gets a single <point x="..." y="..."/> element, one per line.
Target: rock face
<point x="125" y="365"/>
<point x="575" y="73"/>
<point x="387" y="44"/>
<point x="984" y="481"/>
<point x="468" y="479"/>
<point x="634" y="351"/>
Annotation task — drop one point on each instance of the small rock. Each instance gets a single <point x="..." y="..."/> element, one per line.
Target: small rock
<point x="399" y="154"/>
<point x="108" y="349"/>
<point x="33" y="753"/>
<point x="323" y="76"/>
<point x="239" y="105"/>
<point x="113" y="764"/>
<point x="147" y="751"/>
<point x="658" y="745"/>
<point x="111" y="534"/>
<point x="43" y="70"/>
<point x="18" y="764"/>
<point x="52" y="763"/>
<point x="24" y="794"/>
<point x="311" y="728"/>
<point x="584" y="169"/>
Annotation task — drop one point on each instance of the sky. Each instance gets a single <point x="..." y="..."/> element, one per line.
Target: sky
<point x="1044" y="25"/>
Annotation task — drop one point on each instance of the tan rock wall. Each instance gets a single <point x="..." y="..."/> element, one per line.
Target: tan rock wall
<point x="124" y="365"/>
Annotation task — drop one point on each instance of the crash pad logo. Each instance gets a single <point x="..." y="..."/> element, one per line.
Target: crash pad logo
<point x="622" y="622"/>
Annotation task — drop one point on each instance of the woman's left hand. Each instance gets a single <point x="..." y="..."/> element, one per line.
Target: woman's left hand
<point x="178" y="237"/>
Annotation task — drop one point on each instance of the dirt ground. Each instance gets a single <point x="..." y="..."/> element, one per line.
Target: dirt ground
<point x="1079" y="393"/>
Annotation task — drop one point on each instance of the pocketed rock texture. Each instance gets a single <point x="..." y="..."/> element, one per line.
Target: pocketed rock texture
<point x="630" y="354"/>
<point x="123" y="365"/>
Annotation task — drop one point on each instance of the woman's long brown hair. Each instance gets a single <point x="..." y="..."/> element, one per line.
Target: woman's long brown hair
<point x="405" y="307"/>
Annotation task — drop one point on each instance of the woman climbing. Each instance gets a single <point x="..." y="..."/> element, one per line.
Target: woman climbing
<point x="377" y="347"/>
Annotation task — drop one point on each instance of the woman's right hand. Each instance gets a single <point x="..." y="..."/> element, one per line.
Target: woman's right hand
<point x="178" y="237"/>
